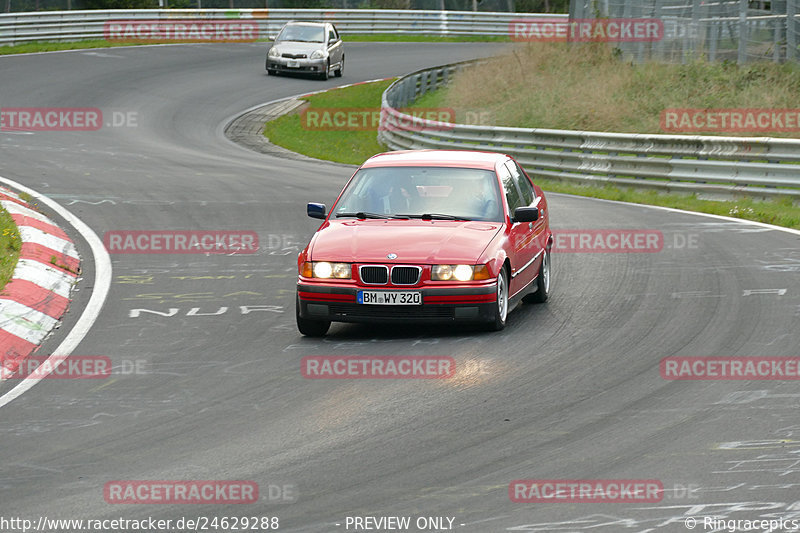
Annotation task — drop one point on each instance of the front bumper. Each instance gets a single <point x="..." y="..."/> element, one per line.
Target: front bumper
<point x="445" y="304"/>
<point x="302" y="66"/>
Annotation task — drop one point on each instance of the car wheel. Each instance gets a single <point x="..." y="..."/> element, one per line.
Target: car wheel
<point x="309" y="327"/>
<point x="542" y="282"/>
<point x="338" y="72"/>
<point x="501" y="309"/>
<point x="326" y="72"/>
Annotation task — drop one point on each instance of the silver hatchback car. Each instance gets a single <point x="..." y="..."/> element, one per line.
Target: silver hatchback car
<point x="307" y="48"/>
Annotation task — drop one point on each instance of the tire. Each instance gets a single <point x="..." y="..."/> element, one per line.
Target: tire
<point x="542" y="282"/>
<point x="324" y="76"/>
<point x="338" y="72"/>
<point x="270" y="72"/>
<point x="501" y="311"/>
<point x="309" y="327"/>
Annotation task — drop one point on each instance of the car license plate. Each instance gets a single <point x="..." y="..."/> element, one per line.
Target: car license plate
<point x="390" y="297"/>
<point x="293" y="63"/>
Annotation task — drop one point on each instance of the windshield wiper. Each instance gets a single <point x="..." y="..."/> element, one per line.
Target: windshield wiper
<point x="362" y="214"/>
<point x="435" y="216"/>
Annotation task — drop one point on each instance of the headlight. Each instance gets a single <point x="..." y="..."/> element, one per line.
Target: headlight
<point x="317" y="54"/>
<point x="273" y="52"/>
<point x="326" y="270"/>
<point x="459" y="272"/>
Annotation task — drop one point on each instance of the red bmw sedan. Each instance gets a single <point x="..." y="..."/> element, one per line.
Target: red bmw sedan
<point x="427" y="236"/>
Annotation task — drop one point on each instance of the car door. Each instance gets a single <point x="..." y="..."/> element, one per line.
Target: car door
<point x="335" y="48"/>
<point x="522" y="253"/>
<point x="538" y="229"/>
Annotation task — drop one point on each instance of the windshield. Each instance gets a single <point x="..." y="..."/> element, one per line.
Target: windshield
<point x="302" y="33"/>
<point x="422" y="192"/>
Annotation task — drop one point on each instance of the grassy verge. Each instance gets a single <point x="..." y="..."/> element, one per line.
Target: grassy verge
<point x="587" y="87"/>
<point x="780" y="212"/>
<point x="28" y="48"/>
<point x="354" y="147"/>
<point x="10" y="244"/>
<point x="381" y="37"/>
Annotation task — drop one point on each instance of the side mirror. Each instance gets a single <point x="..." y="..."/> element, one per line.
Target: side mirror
<point x="526" y="214"/>
<point x="271" y="37"/>
<point x="331" y="42"/>
<point x="316" y="210"/>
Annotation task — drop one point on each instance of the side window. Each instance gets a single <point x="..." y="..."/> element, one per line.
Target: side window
<point x="331" y="34"/>
<point x="510" y="189"/>
<point x="524" y="183"/>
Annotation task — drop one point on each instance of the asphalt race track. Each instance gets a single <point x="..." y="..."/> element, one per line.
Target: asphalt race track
<point x="570" y="390"/>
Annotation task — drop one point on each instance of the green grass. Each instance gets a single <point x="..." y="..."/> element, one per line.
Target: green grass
<point x="28" y="48"/>
<point x="10" y="244"/>
<point x="588" y="88"/>
<point x="381" y="37"/>
<point x="331" y="145"/>
<point x="351" y="147"/>
<point x="779" y="212"/>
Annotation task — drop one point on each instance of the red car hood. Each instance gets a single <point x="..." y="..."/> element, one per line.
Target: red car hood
<point x="414" y="241"/>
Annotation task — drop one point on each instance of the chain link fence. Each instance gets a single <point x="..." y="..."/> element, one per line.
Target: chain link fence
<point x="717" y="30"/>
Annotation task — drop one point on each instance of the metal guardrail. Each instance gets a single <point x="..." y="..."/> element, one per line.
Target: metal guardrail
<point x="18" y="28"/>
<point x="711" y="165"/>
